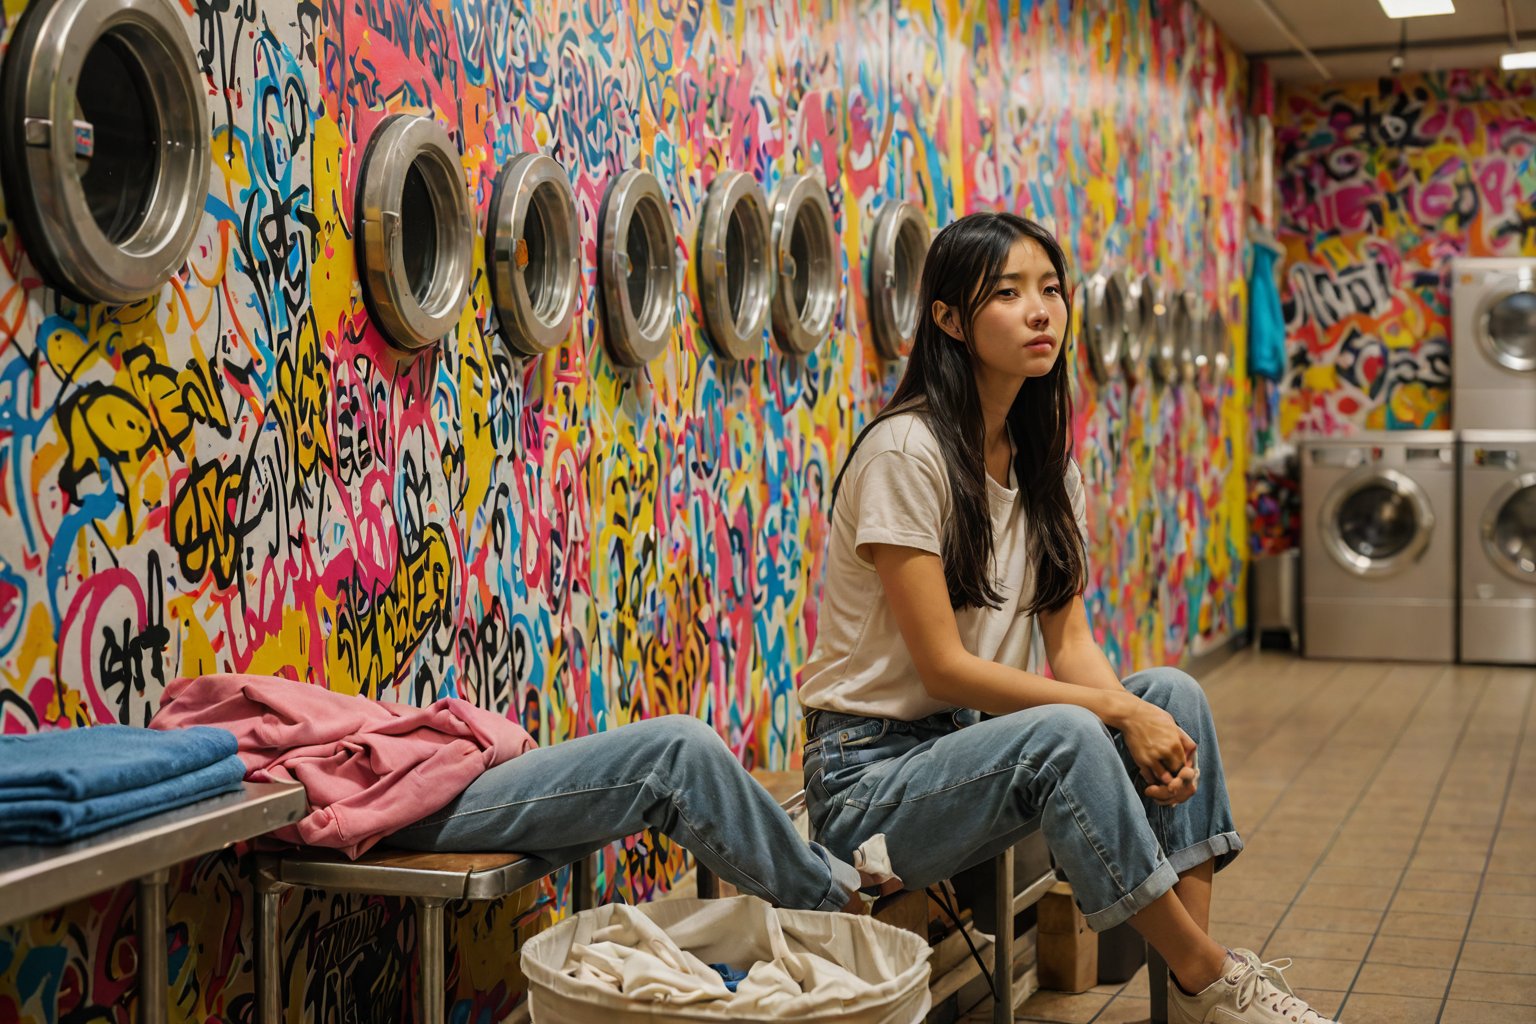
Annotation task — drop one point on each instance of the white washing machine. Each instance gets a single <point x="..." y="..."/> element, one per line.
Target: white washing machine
<point x="1378" y="546"/>
<point x="1493" y="344"/>
<point x="1498" y="546"/>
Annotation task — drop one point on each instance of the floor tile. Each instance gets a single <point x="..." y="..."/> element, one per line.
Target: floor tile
<point x="1393" y="980"/>
<point x="1430" y="901"/>
<point x="1494" y="988"/>
<point x="1500" y="957"/>
<point x="1444" y="881"/>
<point x="1064" y="1007"/>
<point x="1424" y="926"/>
<point x="1357" y="897"/>
<point x="1370" y="1008"/>
<point x="1412" y="951"/>
<point x="1322" y="973"/>
<point x="1126" y="1011"/>
<point x="1508" y="905"/>
<point x="1461" y="1011"/>
<point x="1296" y="942"/>
<point x="1514" y="885"/>
<point x="1488" y="927"/>
<point x="1333" y="919"/>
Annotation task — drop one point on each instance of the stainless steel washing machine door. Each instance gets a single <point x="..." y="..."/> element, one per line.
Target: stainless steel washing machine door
<point x="1506" y="329"/>
<point x="1375" y="521"/>
<point x="1508" y="528"/>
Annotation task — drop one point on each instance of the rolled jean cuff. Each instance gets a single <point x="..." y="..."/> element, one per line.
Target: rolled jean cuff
<point x="1138" y="899"/>
<point x="1221" y="848"/>
<point x="845" y="880"/>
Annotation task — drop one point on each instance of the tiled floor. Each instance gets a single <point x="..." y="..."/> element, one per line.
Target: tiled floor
<point x="1389" y="813"/>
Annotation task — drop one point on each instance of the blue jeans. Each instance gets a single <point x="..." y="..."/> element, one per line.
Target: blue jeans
<point x="674" y="774"/>
<point x="950" y="791"/>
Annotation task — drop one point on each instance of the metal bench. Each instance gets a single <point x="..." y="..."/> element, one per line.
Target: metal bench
<point x="35" y="879"/>
<point x="429" y="880"/>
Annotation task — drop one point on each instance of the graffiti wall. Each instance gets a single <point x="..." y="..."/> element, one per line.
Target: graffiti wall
<point x="1381" y="184"/>
<point x="239" y="474"/>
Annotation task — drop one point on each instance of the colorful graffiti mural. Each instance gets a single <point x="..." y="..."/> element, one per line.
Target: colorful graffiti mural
<point x="239" y="474"/>
<point x="1381" y="184"/>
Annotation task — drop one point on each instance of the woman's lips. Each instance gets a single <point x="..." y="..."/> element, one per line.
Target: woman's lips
<point x="1045" y="341"/>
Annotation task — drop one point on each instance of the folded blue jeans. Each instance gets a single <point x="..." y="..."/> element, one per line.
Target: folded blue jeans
<point x="674" y="774"/>
<point x="950" y="791"/>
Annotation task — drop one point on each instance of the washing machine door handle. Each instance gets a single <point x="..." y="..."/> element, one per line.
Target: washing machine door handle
<point x="1338" y="458"/>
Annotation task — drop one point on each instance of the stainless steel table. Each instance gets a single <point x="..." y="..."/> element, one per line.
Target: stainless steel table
<point x="34" y="879"/>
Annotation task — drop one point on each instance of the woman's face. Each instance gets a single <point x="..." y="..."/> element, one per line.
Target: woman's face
<point x="1018" y="329"/>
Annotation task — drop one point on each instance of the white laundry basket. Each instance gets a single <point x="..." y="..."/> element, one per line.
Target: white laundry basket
<point x="738" y="931"/>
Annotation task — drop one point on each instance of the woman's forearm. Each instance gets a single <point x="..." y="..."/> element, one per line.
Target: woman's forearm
<point x="998" y="689"/>
<point x="1084" y="664"/>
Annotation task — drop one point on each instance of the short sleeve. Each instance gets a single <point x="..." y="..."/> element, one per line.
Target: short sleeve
<point x="900" y="500"/>
<point x="1077" y="495"/>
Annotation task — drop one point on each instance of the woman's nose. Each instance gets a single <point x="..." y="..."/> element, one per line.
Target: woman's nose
<point x="1039" y="318"/>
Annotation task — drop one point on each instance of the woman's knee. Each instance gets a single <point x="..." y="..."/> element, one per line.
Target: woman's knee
<point x="1066" y="726"/>
<point x="684" y="732"/>
<point x="1166" y="687"/>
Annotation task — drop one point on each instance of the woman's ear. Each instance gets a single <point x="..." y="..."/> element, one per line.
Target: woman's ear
<point x="944" y="315"/>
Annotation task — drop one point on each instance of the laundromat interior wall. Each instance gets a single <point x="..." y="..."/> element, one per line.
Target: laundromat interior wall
<point x="1381" y="184"/>
<point x="240" y="474"/>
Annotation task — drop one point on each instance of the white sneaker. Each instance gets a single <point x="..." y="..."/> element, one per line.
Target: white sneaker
<point x="1240" y="996"/>
<point x="1273" y="972"/>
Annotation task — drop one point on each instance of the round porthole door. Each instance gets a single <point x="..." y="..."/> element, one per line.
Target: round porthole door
<point x="1142" y="310"/>
<point x="533" y="252"/>
<point x="899" y="247"/>
<point x="1165" y="353"/>
<point x="637" y="267"/>
<point x="1186" y="336"/>
<point x="1507" y="330"/>
<point x="416" y="238"/>
<point x="1218" y="347"/>
<point x="1104" y="323"/>
<point x="735" y="265"/>
<point x="104" y="144"/>
<point x="808" y="275"/>
<point x="1213" y="329"/>
<point x="1509" y="528"/>
<point x="1375" y="521"/>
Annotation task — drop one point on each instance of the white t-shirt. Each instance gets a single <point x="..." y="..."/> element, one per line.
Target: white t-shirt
<point x="896" y="491"/>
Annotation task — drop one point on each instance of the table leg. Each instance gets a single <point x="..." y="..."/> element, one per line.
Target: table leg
<point x="153" y="980"/>
<point x="269" y="946"/>
<point x="429" y="945"/>
<point x="1002" y="959"/>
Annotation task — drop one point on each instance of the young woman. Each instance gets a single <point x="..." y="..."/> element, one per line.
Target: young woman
<point x="956" y="533"/>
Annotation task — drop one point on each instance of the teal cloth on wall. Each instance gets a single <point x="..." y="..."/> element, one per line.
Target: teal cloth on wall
<point x="1266" y="322"/>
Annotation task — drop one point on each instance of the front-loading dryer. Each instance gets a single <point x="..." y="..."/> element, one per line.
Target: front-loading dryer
<point x="1498" y="546"/>
<point x="1378" y="546"/>
<point x="1493" y="344"/>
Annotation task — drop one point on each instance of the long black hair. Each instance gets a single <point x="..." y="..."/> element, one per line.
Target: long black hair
<point x="963" y="266"/>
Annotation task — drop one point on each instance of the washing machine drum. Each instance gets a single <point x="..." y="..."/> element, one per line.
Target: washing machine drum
<point x="1509" y="331"/>
<point x="1509" y="528"/>
<point x="1376" y="522"/>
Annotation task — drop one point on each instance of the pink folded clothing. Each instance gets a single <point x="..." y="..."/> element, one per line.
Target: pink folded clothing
<point x="368" y="767"/>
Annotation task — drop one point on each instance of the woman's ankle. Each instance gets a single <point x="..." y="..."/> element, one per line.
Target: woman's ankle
<point x="1200" y="971"/>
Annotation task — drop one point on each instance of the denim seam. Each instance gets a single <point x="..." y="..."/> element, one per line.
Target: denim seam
<point x="1010" y="766"/>
<point x="513" y="803"/>
<point x="1082" y="827"/>
<point x="683" y="814"/>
